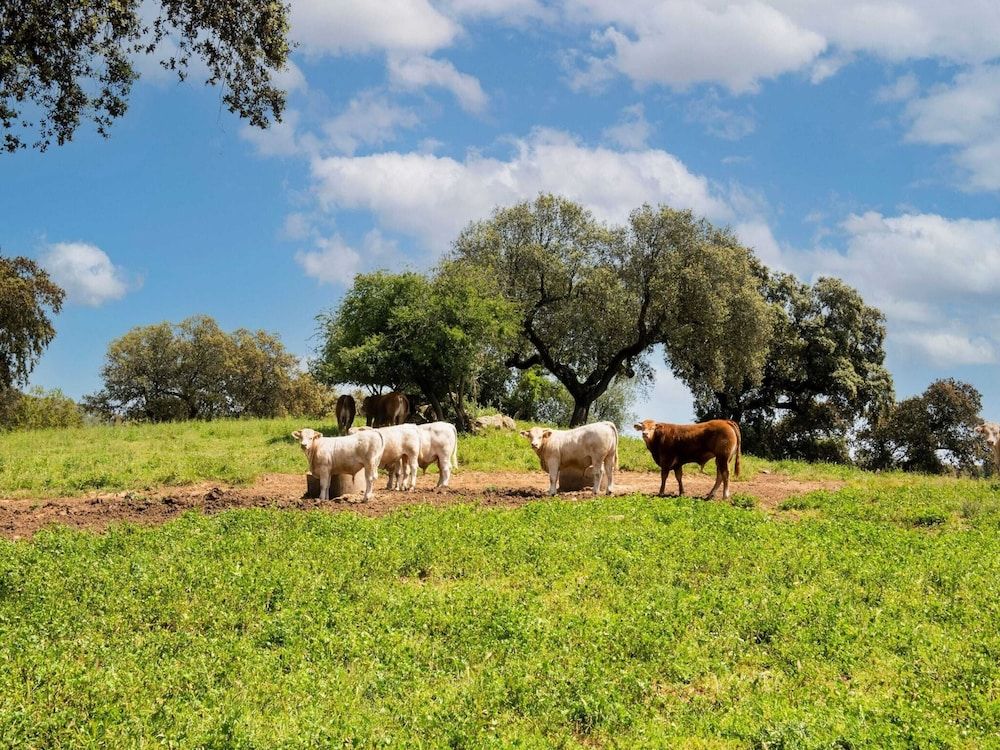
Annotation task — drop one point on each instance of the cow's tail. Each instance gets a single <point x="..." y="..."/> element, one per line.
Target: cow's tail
<point x="454" y="450"/>
<point x="615" y="428"/>
<point x="739" y="447"/>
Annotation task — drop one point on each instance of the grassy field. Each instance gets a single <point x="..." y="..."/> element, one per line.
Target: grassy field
<point x="44" y="463"/>
<point x="863" y="617"/>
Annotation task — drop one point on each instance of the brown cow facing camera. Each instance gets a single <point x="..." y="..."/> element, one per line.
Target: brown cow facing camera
<point x="673" y="445"/>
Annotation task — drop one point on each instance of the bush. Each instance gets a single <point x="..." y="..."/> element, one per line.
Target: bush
<point x="38" y="409"/>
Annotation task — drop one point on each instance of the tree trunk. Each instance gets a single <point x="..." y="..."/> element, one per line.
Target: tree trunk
<point x="436" y="406"/>
<point x="581" y="410"/>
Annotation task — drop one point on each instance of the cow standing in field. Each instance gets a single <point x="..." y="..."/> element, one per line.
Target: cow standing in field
<point x="438" y="444"/>
<point x="341" y="455"/>
<point x="991" y="433"/>
<point x="346" y="409"/>
<point x="402" y="447"/>
<point x="385" y="410"/>
<point x="593" y="446"/>
<point x="673" y="445"/>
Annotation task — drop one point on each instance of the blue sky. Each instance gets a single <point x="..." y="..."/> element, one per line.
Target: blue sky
<point x="856" y="139"/>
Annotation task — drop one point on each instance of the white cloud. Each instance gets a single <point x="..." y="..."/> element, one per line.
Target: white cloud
<point x="950" y="349"/>
<point x="358" y="26"/>
<point x="964" y="115"/>
<point x="719" y="121"/>
<point x="432" y="197"/>
<point x="421" y="71"/>
<point x="279" y="139"/>
<point x="85" y="272"/>
<point x="290" y="78"/>
<point x="632" y="130"/>
<point x="335" y="262"/>
<point x="369" y="119"/>
<point x="903" y="88"/>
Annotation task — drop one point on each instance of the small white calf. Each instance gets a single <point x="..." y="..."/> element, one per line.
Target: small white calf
<point x="593" y="445"/>
<point x="402" y="445"/>
<point x="341" y="455"/>
<point x="991" y="432"/>
<point x="439" y="444"/>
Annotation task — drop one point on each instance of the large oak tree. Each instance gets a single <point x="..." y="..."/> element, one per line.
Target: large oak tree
<point x="27" y="298"/>
<point x="595" y="299"/>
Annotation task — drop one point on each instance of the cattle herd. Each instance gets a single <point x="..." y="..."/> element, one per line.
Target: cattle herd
<point x="389" y="442"/>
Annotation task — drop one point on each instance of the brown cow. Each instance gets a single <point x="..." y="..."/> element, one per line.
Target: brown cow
<point x="386" y="410"/>
<point x="673" y="445"/>
<point x="346" y="409"/>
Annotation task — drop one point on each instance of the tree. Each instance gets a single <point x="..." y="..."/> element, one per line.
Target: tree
<point x="27" y="298"/>
<point x="409" y="331"/>
<point x="38" y="409"/>
<point x="195" y="370"/>
<point x="931" y="432"/>
<point x="593" y="300"/>
<point x="823" y="374"/>
<point x="62" y="61"/>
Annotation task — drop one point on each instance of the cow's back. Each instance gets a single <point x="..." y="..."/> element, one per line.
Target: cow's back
<point x="582" y="446"/>
<point x="694" y="443"/>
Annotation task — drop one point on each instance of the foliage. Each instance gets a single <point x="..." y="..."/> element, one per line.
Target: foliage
<point x="823" y="373"/>
<point x="932" y="432"/>
<point x="195" y="370"/>
<point x="617" y="622"/>
<point x="411" y="331"/>
<point x="62" y="61"/>
<point x="25" y="328"/>
<point x="593" y="299"/>
<point x="535" y="396"/>
<point x="38" y="409"/>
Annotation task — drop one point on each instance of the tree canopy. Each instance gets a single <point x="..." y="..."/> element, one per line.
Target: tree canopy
<point x="62" y="61"/>
<point x="27" y="298"/>
<point x="194" y="370"/>
<point x="411" y="331"/>
<point x="593" y="299"/>
<point x="823" y="373"/>
<point x="931" y="432"/>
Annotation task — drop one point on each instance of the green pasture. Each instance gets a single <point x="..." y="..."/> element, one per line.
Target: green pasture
<point x="861" y="618"/>
<point x="42" y="463"/>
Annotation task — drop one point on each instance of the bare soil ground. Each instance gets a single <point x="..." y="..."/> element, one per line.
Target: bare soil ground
<point x="21" y="518"/>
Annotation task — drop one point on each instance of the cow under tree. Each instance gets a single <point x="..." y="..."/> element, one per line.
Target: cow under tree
<point x="673" y="445"/>
<point x="346" y="411"/>
<point x="386" y="410"/>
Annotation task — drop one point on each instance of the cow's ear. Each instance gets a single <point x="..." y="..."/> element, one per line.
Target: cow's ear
<point x="638" y="427"/>
<point x="547" y="434"/>
<point x="318" y="435"/>
<point x="297" y="434"/>
<point x="525" y="433"/>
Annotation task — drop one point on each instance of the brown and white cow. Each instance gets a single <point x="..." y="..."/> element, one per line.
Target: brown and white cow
<point x="387" y="409"/>
<point x="341" y="455"/>
<point x="592" y="445"/>
<point x="673" y="445"/>
<point x="346" y="409"/>
<point x="991" y="433"/>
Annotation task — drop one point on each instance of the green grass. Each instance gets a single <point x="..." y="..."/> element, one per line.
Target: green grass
<point x="44" y="463"/>
<point x="617" y="622"/>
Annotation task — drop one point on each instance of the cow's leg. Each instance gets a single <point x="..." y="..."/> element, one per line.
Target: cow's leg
<point x="679" y="473"/>
<point x="598" y="468"/>
<point x="412" y="474"/>
<point x="721" y="477"/>
<point x="444" y="470"/>
<point x="392" y="471"/>
<point x="371" y="475"/>
<point x="664" y="473"/>
<point x="609" y="469"/>
<point x="553" y="477"/>
<point x="324" y="484"/>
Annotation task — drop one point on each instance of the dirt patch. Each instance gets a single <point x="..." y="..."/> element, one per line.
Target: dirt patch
<point x="21" y="518"/>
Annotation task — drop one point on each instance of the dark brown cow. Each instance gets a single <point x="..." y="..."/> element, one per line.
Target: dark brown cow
<point x="387" y="409"/>
<point x="346" y="409"/>
<point x="673" y="445"/>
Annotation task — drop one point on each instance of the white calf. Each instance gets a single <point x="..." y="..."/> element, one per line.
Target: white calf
<point x="402" y="444"/>
<point x="341" y="455"/>
<point x="593" y="445"/>
<point x="991" y="432"/>
<point x="439" y="444"/>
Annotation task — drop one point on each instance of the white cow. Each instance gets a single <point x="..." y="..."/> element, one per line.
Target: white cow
<point x="439" y="444"/>
<point x="593" y="445"/>
<point x="402" y="445"/>
<point x="991" y="431"/>
<point x="341" y="455"/>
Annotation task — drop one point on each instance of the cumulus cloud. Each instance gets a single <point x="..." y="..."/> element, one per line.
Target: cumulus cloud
<point x="370" y="119"/>
<point x="951" y="349"/>
<point x="279" y="139"/>
<point x="335" y="262"/>
<point x="85" y="272"/>
<point x="432" y="197"/>
<point x="421" y="71"/>
<point x="963" y="115"/>
<point x="357" y="26"/>
<point x="632" y="130"/>
<point x="723" y="123"/>
<point x="903" y="88"/>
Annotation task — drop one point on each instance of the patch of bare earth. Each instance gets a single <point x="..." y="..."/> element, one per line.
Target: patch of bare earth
<point x="21" y="518"/>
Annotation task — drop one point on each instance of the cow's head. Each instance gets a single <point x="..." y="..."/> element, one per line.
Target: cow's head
<point x="646" y="428"/>
<point x="990" y="431"/>
<point x="305" y="437"/>
<point x="537" y="436"/>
